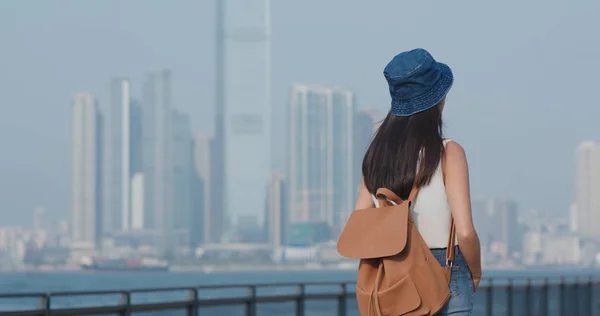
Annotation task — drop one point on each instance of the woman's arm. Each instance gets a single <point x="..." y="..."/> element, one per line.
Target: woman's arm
<point x="456" y="174"/>
<point x="364" y="199"/>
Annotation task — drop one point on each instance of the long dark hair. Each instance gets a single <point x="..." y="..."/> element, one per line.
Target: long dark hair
<point x="393" y="156"/>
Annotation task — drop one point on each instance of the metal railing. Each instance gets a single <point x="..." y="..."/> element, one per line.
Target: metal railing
<point x="562" y="296"/>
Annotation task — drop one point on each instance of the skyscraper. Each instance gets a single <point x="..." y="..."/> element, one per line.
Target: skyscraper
<point x="207" y="222"/>
<point x="137" y="202"/>
<point x="117" y="164"/>
<point x="217" y="152"/>
<point x="321" y="164"/>
<point x="587" y="188"/>
<point x="136" y="168"/>
<point x="135" y="152"/>
<point x="182" y="173"/>
<point x="573" y="222"/>
<point x="157" y="152"/>
<point x="243" y="136"/>
<point x="86" y="161"/>
<point x="497" y="225"/>
<point x="276" y="223"/>
<point x="364" y="128"/>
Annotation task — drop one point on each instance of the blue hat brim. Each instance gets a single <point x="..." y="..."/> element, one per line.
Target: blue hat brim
<point x="427" y="100"/>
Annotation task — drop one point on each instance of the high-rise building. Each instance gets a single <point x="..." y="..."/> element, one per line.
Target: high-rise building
<point x="137" y="202"/>
<point x="573" y="217"/>
<point x="587" y="188"/>
<point x="86" y="182"/>
<point x="136" y="137"/>
<point x="276" y="223"/>
<point x="136" y="167"/>
<point x="496" y="221"/>
<point x="183" y="167"/>
<point x="321" y="168"/>
<point x="207" y="222"/>
<point x="217" y="150"/>
<point x="243" y="134"/>
<point x="157" y="153"/>
<point x="364" y="128"/>
<point x="117" y="163"/>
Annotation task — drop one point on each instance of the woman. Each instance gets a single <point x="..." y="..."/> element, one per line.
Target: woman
<point x="408" y="149"/>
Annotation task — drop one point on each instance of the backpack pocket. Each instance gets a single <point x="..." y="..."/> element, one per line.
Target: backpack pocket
<point x="399" y="299"/>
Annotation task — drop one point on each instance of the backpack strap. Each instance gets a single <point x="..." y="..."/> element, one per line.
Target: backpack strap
<point x="388" y="197"/>
<point x="452" y="235"/>
<point x="451" y="243"/>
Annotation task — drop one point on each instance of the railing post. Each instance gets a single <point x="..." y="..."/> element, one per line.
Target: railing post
<point x="590" y="296"/>
<point x="342" y="300"/>
<point x="300" y="300"/>
<point x="490" y="298"/>
<point x="125" y="302"/>
<point x="563" y="297"/>
<point x="192" y="309"/>
<point x="509" y="298"/>
<point x="528" y="309"/>
<point x="251" y="301"/>
<point x="44" y="304"/>
<point x="575" y="295"/>
<point x="544" y="298"/>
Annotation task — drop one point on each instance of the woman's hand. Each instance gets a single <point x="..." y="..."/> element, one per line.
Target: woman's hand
<point x="476" y="280"/>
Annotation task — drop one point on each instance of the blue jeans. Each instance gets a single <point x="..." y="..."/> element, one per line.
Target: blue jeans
<point x="461" y="285"/>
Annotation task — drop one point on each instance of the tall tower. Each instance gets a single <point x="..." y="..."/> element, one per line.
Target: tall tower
<point x="497" y="223"/>
<point x="207" y="222"/>
<point x="157" y="152"/>
<point x="321" y="155"/>
<point x="85" y="172"/>
<point x="365" y="124"/>
<point x="117" y="175"/>
<point x="217" y="151"/>
<point x="183" y="165"/>
<point x="276" y="221"/>
<point x="587" y="187"/>
<point x="243" y="136"/>
<point x="136" y="169"/>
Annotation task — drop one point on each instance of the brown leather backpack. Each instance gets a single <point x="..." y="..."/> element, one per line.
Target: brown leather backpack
<point x="397" y="273"/>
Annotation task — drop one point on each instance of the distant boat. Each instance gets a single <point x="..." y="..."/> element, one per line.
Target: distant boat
<point x="119" y="264"/>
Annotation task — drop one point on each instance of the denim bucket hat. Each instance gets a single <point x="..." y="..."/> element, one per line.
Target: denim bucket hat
<point x="417" y="82"/>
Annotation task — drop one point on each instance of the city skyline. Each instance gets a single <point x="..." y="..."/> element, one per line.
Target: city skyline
<point x="326" y="48"/>
<point x="303" y="210"/>
<point x="178" y="166"/>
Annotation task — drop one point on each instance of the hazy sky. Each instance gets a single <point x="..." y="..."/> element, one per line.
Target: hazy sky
<point x="526" y="77"/>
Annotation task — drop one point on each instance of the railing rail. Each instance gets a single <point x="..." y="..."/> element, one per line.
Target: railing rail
<point x="581" y="300"/>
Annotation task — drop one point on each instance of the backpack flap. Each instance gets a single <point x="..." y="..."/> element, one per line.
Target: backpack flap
<point x="375" y="232"/>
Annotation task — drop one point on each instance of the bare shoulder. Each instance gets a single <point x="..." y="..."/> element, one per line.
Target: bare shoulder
<point x="454" y="155"/>
<point x="454" y="161"/>
<point x="456" y="172"/>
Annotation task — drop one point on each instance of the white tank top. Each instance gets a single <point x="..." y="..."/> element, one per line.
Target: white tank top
<point x="431" y="211"/>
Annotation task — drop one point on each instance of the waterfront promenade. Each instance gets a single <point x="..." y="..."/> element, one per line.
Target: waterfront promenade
<point x="500" y="296"/>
